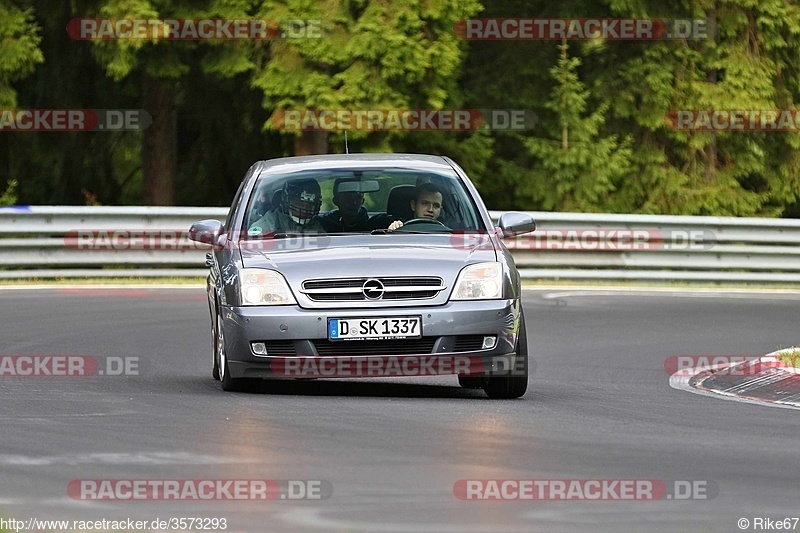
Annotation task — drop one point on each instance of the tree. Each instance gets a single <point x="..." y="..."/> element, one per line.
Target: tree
<point x="581" y="170"/>
<point x="742" y="65"/>
<point x="19" y="55"/>
<point x="9" y="196"/>
<point x="373" y="54"/>
<point x="161" y="66"/>
<point x="515" y="75"/>
<point x="604" y="140"/>
<point x="157" y="67"/>
<point x="19" y="50"/>
<point x="53" y="168"/>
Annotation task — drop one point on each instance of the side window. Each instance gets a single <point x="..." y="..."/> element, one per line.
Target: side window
<point x="264" y="198"/>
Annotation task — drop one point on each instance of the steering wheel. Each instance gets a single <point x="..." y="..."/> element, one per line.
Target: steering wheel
<point x="421" y="221"/>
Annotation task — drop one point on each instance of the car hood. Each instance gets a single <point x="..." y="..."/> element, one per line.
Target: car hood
<point x="366" y="256"/>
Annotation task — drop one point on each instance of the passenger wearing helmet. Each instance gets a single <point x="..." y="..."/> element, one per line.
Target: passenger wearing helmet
<point x="297" y="212"/>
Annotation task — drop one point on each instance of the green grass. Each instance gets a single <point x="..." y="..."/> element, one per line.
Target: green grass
<point x="790" y="357"/>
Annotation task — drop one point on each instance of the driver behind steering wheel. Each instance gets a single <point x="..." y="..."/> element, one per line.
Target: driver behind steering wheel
<point x="427" y="203"/>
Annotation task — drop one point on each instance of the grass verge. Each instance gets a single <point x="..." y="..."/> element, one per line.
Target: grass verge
<point x="790" y="357"/>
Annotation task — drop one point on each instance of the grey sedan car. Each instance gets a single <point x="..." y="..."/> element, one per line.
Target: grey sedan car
<point x="365" y="265"/>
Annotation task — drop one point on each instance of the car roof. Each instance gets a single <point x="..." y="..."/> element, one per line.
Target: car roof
<point x="350" y="161"/>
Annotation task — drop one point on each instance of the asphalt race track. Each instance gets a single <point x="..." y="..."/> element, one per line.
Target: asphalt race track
<point x="599" y="407"/>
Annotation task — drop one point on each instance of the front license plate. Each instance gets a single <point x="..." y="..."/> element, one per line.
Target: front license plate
<point x="390" y="327"/>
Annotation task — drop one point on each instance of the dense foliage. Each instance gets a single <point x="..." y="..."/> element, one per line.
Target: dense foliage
<point x="602" y="141"/>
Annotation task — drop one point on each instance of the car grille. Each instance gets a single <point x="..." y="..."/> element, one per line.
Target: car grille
<point x="285" y="348"/>
<point x="350" y="290"/>
<point x="468" y="343"/>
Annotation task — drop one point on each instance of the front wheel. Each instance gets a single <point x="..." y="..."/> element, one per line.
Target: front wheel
<point x="228" y="383"/>
<point x="214" y="354"/>
<point x="515" y="383"/>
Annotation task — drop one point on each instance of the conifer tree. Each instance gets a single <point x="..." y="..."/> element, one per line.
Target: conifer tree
<point x="577" y="168"/>
<point x="19" y="50"/>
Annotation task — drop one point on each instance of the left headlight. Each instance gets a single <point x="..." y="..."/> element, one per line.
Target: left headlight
<point x="481" y="281"/>
<point x="258" y="286"/>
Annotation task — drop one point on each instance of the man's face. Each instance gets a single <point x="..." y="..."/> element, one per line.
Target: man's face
<point x="348" y="203"/>
<point x="427" y="205"/>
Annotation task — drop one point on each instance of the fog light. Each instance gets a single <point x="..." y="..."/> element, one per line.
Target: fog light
<point x="489" y="342"/>
<point x="259" y="348"/>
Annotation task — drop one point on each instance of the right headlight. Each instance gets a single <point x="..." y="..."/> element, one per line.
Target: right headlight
<point x="258" y="286"/>
<point x="481" y="281"/>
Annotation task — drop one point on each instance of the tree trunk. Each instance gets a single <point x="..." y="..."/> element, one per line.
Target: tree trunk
<point x="564" y="126"/>
<point x="159" y="143"/>
<point x="311" y="142"/>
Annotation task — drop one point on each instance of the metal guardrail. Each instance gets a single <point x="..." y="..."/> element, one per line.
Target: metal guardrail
<point x="51" y="241"/>
<point x="683" y="248"/>
<point x="46" y="241"/>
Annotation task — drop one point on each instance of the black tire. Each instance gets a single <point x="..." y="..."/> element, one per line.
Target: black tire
<point x="471" y="382"/>
<point x="228" y="383"/>
<point x="214" y="356"/>
<point x="515" y="383"/>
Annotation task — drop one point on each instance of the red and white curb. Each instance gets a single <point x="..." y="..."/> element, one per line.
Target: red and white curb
<point x="764" y="381"/>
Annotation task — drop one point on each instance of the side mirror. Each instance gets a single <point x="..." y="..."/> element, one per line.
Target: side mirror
<point x="514" y="223"/>
<point x="206" y="231"/>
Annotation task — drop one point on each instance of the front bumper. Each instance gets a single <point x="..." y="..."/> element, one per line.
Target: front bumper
<point x="305" y="331"/>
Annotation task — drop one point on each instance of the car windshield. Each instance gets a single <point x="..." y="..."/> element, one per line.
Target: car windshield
<point x="359" y="201"/>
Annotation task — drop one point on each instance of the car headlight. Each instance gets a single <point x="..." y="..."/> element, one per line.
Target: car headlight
<point x="258" y="286"/>
<point x="481" y="281"/>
